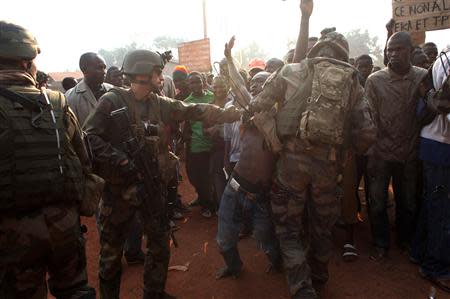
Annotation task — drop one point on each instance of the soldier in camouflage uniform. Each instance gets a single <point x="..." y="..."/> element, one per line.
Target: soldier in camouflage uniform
<point x="42" y="160"/>
<point x="321" y="112"/>
<point x="105" y="128"/>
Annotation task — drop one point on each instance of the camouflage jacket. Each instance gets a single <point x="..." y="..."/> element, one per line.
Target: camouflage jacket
<point x="291" y="87"/>
<point x="106" y="133"/>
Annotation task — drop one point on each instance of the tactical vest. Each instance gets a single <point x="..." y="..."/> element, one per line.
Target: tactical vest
<point x="38" y="165"/>
<point x="318" y="112"/>
<point x="155" y="145"/>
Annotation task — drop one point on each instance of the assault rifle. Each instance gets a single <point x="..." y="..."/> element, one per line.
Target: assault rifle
<point x="150" y="189"/>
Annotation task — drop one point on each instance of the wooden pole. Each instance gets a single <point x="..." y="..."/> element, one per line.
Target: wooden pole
<point x="205" y="25"/>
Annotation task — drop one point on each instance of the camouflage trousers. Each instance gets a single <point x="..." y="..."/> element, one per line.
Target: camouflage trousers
<point x="305" y="208"/>
<point x="116" y="221"/>
<point x="47" y="242"/>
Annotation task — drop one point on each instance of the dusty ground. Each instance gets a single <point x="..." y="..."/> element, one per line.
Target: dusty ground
<point x="393" y="278"/>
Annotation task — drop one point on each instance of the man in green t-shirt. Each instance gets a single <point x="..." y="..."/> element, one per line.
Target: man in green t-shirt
<point x="198" y="147"/>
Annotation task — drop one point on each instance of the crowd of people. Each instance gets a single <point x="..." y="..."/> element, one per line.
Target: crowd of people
<point x="277" y="150"/>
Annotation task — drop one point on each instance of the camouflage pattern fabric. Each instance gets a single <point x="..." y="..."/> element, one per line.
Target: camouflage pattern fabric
<point x="48" y="241"/>
<point x="303" y="218"/>
<point x="117" y="211"/>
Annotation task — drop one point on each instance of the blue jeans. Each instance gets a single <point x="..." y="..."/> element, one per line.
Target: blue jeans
<point x="431" y="246"/>
<point x="233" y="205"/>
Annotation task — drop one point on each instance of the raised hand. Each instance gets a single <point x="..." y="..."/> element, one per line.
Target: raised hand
<point x="306" y="7"/>
<point x="229" y="46"/>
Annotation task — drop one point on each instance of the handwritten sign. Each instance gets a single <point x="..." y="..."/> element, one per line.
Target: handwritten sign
<point x="421" y="15"/>
<point x="195" y="55"/>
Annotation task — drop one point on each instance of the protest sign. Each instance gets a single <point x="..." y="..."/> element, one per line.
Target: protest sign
<point x="421" y="15"/>
<point x="195" y="55"/>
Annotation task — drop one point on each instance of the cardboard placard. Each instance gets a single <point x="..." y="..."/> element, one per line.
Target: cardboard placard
<point x="195" y="55"/>
<point x="421" y="15"/>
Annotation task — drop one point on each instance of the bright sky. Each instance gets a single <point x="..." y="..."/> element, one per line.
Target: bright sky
<point x="66" y="29"/>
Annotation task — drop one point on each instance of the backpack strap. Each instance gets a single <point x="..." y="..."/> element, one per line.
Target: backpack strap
<point x="22" y="100"/>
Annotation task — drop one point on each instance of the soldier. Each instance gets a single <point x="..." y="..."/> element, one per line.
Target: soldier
<point x="42" y="164"/>
<point x="321" y="112"/>
<point x="118" y="113"/>
<point x="273" y="64"/>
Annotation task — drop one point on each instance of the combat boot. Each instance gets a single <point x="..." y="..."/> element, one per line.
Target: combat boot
<point x="110" y="289"/>
<point x="233" y="264"/>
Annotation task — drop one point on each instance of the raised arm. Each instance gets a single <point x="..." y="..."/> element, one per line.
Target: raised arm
<point x="237" y="82"/>
<point x="301" y="48"/>
<point x="211" y="114"/>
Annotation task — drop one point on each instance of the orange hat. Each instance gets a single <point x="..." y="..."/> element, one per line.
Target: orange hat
<point x="257" y="63"/>
<point x="180" y="72"/>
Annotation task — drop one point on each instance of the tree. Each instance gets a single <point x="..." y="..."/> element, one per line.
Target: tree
<point x="163" y="43"/>
<point x="160" y="43"/>
<point x="361" y="42"/>
<point x="290" y="44"/>
<point x="115" y="57"/>
<point x="253" y="50"/>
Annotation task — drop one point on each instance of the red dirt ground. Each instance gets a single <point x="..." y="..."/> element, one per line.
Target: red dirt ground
<point x="392" y="278"/>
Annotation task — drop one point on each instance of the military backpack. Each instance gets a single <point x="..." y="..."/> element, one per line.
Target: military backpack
<point x="325" y="112"/>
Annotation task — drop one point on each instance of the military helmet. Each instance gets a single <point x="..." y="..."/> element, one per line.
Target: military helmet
<point x="141" y="62"/>
<point x="17" y="43"/>
<point x="333" y="39"/>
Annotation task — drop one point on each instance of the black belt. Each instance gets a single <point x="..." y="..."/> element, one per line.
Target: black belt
<point x="238" y="188"/>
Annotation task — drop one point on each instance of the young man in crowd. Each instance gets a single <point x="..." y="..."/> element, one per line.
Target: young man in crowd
<point x="355" y="169"/>
<point x="215" y="133"/>
<point x="114" y="76"/>
<point x="430" y="49"/>
<point x="420" y="59"/>
<point x="198" y="150"/>
<point x="83" y="97"/>
<point x="431" y="248"/>
<point x="246" y="194"/>
<point x="179" y="77"/>
<point x="255" y="66"/>
<point x="68" y="83"/>
<point x="364" y="65"/>
<point x="393" y="95"/>
<point x="273" y="64"/>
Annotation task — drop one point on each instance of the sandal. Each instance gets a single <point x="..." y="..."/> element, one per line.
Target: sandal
<point x="350" y="253"/>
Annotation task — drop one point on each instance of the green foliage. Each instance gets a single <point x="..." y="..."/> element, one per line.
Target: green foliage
<point x="362" y="43"/>
<point x="290" y="44"/>
<point x="253" y="50"/>
<point x="164" y="43"/>
<point x="160" y="43"/>
<point x="115" y="57"/>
